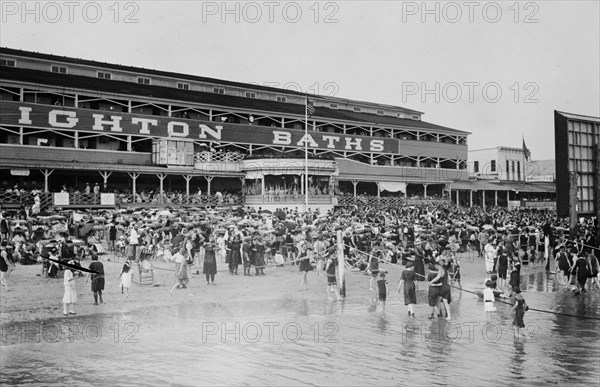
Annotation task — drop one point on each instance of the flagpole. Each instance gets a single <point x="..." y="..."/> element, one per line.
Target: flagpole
<point x="306" y="154"/>
<point x="524" y="158"/>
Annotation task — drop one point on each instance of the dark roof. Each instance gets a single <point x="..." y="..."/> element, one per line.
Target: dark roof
<point x="491" y="185"/>
<point x="141" y="70"/>
<point x="127" y="89"/>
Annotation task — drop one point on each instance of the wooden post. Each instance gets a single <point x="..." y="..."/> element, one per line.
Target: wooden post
<point x="208" y="180"/>
<point x="161" y="178"/>
<point x="573" y="229"/>
<point x="471" y="198"/>
<point x="496" y="198"/>
<point x="187" y="187"/>
<point x="105" y="176"/>
<point x="134" y="176"/>
<point x="354" y="183"/>
<point x="46" y="173"/>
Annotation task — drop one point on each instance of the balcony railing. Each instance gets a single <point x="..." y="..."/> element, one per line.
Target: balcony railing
<point x="287" y="199"/>
<point x="393" y="202"/>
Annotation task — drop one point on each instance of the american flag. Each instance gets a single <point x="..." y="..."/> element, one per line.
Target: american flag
<point x="310" y="108"/>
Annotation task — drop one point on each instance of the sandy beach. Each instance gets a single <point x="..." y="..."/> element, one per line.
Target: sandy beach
<point x="34" y="297"/>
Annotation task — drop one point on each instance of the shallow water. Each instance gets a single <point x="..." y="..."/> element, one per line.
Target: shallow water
<point x="291" y="341"/>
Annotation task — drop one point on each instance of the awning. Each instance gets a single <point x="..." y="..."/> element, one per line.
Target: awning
<point x="392" y="186"/>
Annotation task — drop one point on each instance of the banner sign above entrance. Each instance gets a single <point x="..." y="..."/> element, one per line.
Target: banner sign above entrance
<point x="116" y="123"/>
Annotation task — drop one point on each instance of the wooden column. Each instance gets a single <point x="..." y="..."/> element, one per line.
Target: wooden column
<point x="187" y="187"/>
<point x="134" y="176"/>
<point x="105" y="175"/>
<point x="161" y="178"/>
<point x="354" y="183"/>
<point x="208" y="180"/>
<point x="46" y="173"/>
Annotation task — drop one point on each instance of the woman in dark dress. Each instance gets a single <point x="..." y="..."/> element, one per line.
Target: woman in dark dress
<point x="112" y="235"/>
<point x="259" y="260"/>
<point x="515" y="274"/>
<point x="229" y="253"/>
<point x="407" y="280"/>
<point x="580" y="266"/>
<point x="210" y="260"/>
<point x="502" y="268"/>
<point x="593" y="267"/>
<point x="304" y="263"/>
<point x="519" y="308"/>
<point x="236" y="255"/>
<point x="445" y="295"/>
<point x="419" y="263"/>
<point x="434" y="290"/>
<point x="97" y="278"/>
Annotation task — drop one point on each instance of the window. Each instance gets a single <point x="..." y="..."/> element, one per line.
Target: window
<point x="507" y="170"/>
<point x="59" y="69"/>
<point x="219" y="90"/>
<point x="493" y="166"/>
<point x="415" y="117"/>
<point x="380" y="112"/>
<point x="183" y="86"/>
<point x="143" y="81"/>
<point x="8" y="63"/>
<point x="104" y="75"/>
<point x="518" y="170"/>
<point x="281" y="99"/>
<point x="476" y="166"/>
<point x="250" y="95"/>
<point x="357" y="109"/>
<point x="333" y="105"/>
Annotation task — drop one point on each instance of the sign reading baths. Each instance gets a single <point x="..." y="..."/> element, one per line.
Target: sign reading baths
<point x="59" y="117"/>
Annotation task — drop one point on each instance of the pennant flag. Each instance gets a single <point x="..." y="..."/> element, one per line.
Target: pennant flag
<point x="526" y="151"/>
<point x="310" y="108"/>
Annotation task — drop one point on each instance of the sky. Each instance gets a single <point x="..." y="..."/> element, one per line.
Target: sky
<point x="495" y="69"/>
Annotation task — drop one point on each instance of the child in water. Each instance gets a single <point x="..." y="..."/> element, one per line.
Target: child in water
<point x="125" y="278"/>
<point x="382" y="291"/>
<point x="488" y="299"/>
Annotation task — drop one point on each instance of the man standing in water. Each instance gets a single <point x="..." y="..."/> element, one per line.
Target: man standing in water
<point x="97" y="278"/>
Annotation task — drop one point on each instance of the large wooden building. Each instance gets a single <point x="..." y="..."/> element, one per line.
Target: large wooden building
<point x="69" y="122"/>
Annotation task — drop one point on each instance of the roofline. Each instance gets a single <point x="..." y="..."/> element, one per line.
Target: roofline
<point x="498" y="148"/>
<point x="579" y="116"/>
<point x="163" y="73"/>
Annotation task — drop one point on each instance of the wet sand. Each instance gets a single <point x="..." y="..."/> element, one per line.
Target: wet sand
<point x="33" y="297"/>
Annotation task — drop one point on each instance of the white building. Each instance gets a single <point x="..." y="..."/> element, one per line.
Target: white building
<point x="500" y="163"/>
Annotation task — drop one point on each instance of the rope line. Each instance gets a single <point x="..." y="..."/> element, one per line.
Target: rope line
<point x="501" y="301"/>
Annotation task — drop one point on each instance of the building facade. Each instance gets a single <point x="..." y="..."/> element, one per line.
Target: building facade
<point x="71" y="122"/>
<point x="499" y="163"/>
<point x="577" y="139"/>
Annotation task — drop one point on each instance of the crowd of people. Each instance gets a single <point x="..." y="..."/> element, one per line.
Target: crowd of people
<point x="426" y="240"/>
